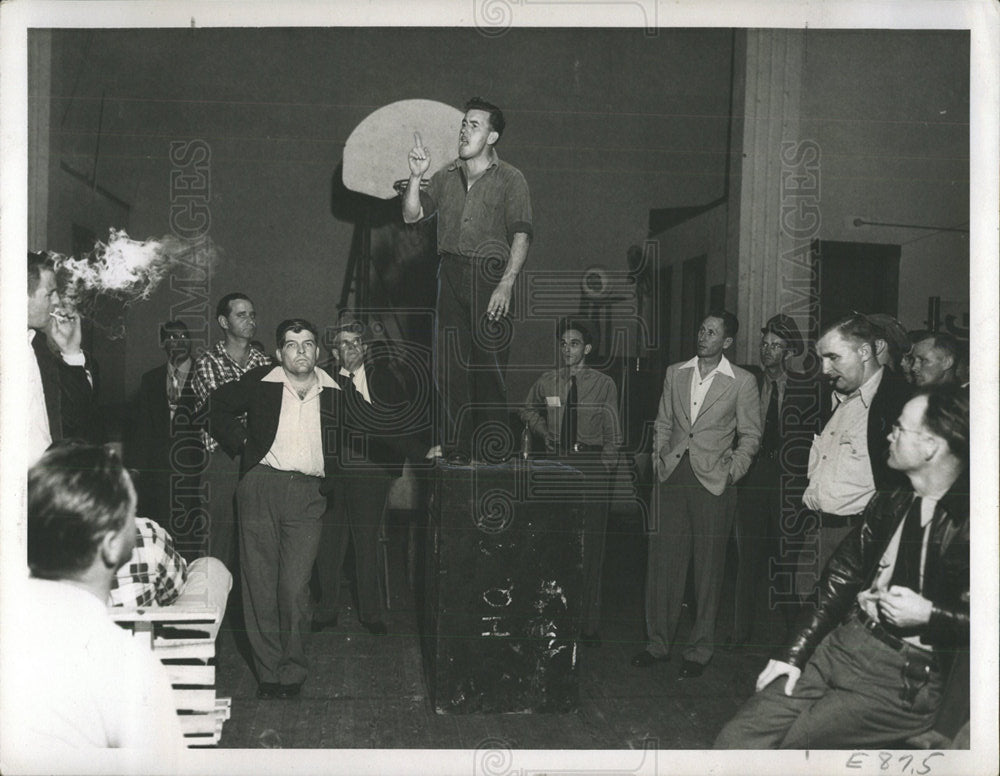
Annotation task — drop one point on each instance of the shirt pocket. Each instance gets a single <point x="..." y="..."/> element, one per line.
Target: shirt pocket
<point x="851" y="461"/>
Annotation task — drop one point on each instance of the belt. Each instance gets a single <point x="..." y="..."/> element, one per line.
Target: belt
<point x="270" y="470"/>
<point x="829" y="520"/>
<point x="579" y="447"/>
<point x="894" y="642"/>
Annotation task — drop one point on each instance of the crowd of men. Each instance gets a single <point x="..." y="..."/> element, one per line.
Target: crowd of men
<point x="847" y="488"/>
<point x="850" y="495"/>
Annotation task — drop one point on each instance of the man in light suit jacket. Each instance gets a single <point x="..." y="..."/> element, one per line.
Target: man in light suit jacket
<point x="706" y="433"/>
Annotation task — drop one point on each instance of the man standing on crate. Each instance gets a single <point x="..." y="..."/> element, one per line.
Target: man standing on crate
<point x="483" y="233"/>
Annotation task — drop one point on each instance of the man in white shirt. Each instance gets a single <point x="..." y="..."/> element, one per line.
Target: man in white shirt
<point x="74" y="681"/>
<point x="381" y="428"/>
<point x="60" y="390"/>
<point x="706" y="404"/>
<point x="290" y="433"/>
<point x="848" y="461"/>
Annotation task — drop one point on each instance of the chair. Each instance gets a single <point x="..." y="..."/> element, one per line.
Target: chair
<point x="182" y="636"/>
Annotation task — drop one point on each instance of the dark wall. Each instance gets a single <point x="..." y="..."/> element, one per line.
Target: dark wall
<point x="895" y="154"/>
<point x="605" y="124"/>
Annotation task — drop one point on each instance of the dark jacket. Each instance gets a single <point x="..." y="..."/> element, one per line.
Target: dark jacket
<point x="152" y="434"/>
<point x="70" y="399"/>
<point x="798" y="422"/>
<point x="855" y="564"/>
<point x="159" y="448"/>
<point x="893" y="392"/>
<point x="261" y="401"/>
<point x="386" y="432"/>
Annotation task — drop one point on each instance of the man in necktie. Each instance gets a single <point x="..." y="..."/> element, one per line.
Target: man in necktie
<point x="866" y="666"/>
<point x="381" y="428"/>
<point x="789" y="404"/>
<point x="165" y="453"/>
<point x="575" y="410"/>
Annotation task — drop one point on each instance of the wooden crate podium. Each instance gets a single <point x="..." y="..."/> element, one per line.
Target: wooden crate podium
<point x="183" y="636"/>
<point x="503" y="587"/>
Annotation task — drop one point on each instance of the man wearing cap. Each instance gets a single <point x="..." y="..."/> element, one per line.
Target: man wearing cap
<point x="483" y="231"/>
<point x="773" y="486"/>
<point x="381" y="427"/>
<point x="891" y="342"/>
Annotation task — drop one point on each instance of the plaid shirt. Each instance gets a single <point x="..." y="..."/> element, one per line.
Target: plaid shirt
<point x="155" y="572"/>
<point x="216" y="367"/>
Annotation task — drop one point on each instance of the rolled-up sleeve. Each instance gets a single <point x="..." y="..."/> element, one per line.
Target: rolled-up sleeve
<point x="517" y="206"/>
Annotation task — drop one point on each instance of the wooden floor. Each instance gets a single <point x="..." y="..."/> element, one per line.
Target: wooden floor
<point x="366" y="691"/>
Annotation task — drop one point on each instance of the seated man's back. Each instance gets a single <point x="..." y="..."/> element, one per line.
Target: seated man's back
<point x="75" y="685"/>
<point x="81" y="681"/>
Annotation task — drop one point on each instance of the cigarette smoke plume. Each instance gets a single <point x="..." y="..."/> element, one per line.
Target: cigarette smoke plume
<point x="129" y="271"/>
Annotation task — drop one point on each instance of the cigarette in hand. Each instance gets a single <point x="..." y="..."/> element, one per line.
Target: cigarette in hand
<point x="63" y="317"/>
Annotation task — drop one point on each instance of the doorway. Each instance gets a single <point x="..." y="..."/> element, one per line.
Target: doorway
<point x="853" y="276"/>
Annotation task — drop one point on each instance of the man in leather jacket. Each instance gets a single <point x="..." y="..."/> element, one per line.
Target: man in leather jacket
<point x="867" y="665"/>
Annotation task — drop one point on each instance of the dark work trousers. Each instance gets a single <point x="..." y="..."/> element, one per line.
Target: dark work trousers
<point x="692" y="525"/>
<point x="595" y="524"/>
<point x="280" y="521"/>
<point x="757" y="516"/>
<point x="852" y="695"/>
<point x="173" y="496"/>
<point x="354" y="511"/>
<point x="470" y="358"/>
<point x="219" y="479"/>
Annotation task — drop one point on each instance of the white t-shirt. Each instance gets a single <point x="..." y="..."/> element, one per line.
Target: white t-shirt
<point x="74" y="681"/>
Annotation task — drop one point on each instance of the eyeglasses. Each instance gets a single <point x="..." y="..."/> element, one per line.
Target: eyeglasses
<point x="352" y="344"/>
<point x="773" y="346"/>
<point x="898" y="429"/>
